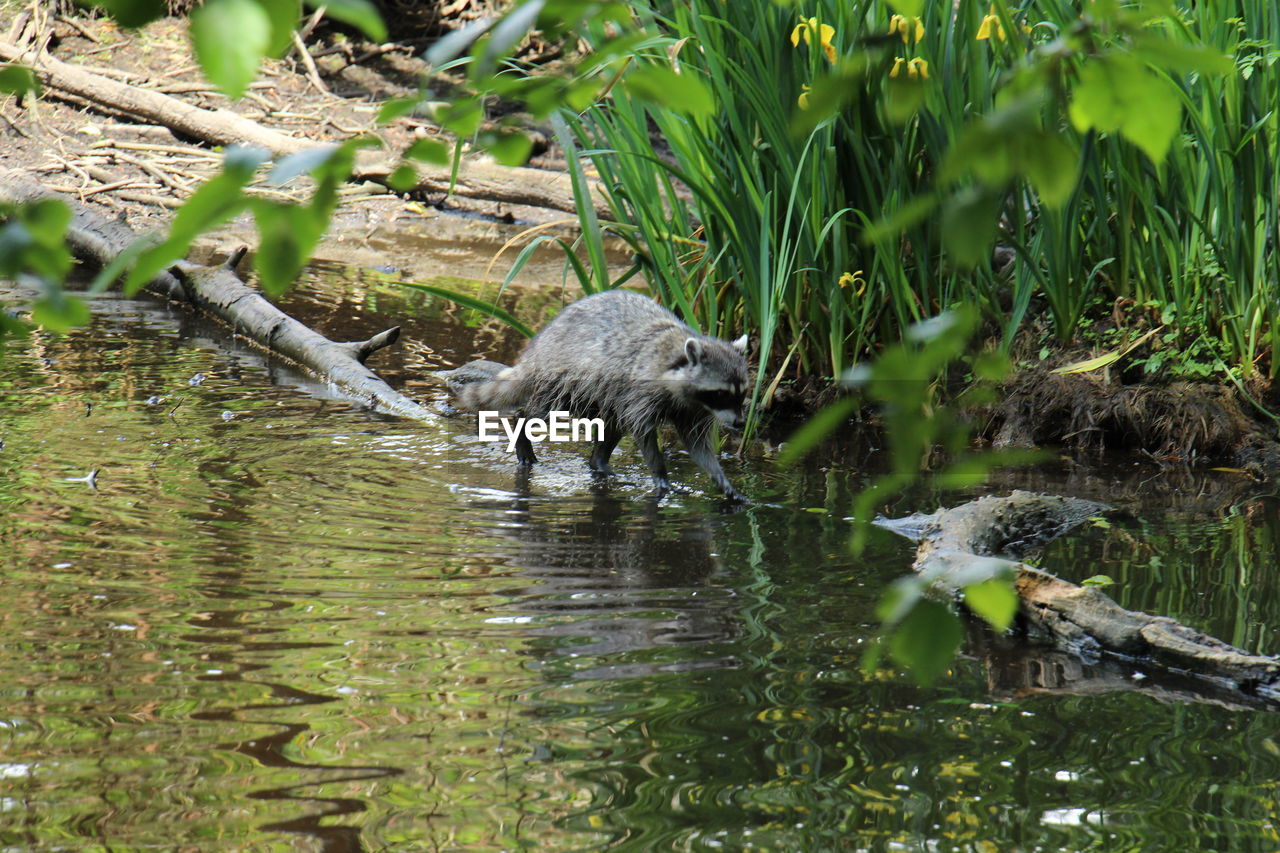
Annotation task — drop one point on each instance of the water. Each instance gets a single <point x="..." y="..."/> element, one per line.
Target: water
<point x="273" y="621"/>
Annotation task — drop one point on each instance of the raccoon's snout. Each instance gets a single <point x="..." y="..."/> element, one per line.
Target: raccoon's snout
<point x="730" y="419"/>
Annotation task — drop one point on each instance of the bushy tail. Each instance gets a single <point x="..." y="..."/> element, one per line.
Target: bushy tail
<point x="482" y="385"/>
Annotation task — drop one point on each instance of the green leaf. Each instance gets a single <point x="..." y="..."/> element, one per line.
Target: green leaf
<point x="899" y="599"/>
<point x="461" y="117"/>
<point x="909" y="8"/>
<point x="1180" y="58"/>
<point x="969" y="225"/>
<point x="681" y="93"/>
<point x="1096" y="103"/>
<point x="472" y="302"/>
<point x="815" y="429"/>
<point x="221" y="198"/>
<point x="1154" y="117"/>
<point x="287" y="235"/>
<point x="230" y="38"/>
<point x="132" y="13"/>
<point x="403" y="179"/>
<point x="397" y="107"/>
<point x="1098" y="581"/>
<point x="18" y="80"/>
<point x="994" y="600"/>
<point x="904" y="97"/>
<point x="361" y="14"/>
<point x="59" y="312"/>
<point x="1119" y="93"/>
<point x="1051" y="164"/>
<point x="429" y="151"/>
<point x="509" y="149"/>
<point x="284" y="15"/>
<point x="926" y="640"/>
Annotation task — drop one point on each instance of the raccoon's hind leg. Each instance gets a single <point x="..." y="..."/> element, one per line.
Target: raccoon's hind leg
<point x="599" y="461"/>
<point x="653" y="458"/>
<point x="704" y="457"/>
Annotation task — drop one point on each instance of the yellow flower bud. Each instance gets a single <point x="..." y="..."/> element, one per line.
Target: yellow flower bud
<point x="897" y="66"/>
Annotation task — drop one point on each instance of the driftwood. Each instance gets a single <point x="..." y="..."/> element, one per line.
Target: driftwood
<point x="997" y="531"/>
<point x="218" y="292"/>
<point x="479" y="179"/>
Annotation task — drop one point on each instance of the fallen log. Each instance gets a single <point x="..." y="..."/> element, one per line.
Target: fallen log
<point x="998" y="531"/>
<point x="478" y="178"/>
<point x="218" y="292"/>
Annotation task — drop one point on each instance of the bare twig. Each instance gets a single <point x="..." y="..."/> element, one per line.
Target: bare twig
<point x="312" y="74"/>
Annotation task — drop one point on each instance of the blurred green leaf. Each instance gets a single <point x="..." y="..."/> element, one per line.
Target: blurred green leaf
<point x="284" y="15"/>
<point x="509" y="149"/>
<point x="59" y="312"/>
<point x="909" y="8"/>
<point x="1119" y="93"/>
<point x="663" y="87"/>
<point x="926" y="640"/>
<point x="230" y="38"/>
<point x="219" y="199"/>
<point x="994" y="600"/>
<point x="969" y="225"/>
<point x="361" y="14"/>
<point x="429" y="151"/>
<point x="1052" y="166"/>
<point x="131" y="13"/>
<point x="825" y="422"/>
<point x="288" y="234"/>
<point x="899" y="599"/>
<point x="18" y="80"/>
<point x="403" y="179"/>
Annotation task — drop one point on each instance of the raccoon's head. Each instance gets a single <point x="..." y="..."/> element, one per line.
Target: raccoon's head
<point x="712" y="373"/>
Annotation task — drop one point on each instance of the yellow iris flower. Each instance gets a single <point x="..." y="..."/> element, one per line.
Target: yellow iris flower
<point x="917" y="69"/>
<point x="803" y="100"/>
<point x="907" y="28"/>
<point x="825" y="32"/>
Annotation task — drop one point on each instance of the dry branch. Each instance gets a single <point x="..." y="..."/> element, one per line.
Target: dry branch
<point x="217" y="291"/>
<point x="1080" y="619"/>
<point x="479" y="178"/>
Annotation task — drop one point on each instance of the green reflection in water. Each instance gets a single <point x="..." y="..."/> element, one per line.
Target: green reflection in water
<point x="303" y="627"/>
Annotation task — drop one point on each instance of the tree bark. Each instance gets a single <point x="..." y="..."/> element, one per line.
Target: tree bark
<point x="218" y="292"/>
<point x="999" y="530"/>
<point x="478" y="178"/>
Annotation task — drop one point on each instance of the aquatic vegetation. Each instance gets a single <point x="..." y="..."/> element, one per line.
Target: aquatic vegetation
<point x="1114" y="155"/>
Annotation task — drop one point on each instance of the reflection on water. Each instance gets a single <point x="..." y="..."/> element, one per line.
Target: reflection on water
<point x="274" y="621"/>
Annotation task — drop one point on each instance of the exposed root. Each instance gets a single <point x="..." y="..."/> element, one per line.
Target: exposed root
<point x="1182" y="421"/>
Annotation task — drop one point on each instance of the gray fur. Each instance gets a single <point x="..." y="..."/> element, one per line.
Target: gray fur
<point x="621" y="357"/>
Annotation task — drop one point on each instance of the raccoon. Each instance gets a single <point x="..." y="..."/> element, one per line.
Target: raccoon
<point x="622" y="358"/>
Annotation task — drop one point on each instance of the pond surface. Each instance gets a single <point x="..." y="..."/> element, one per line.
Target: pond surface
<point x="272" y="621"/>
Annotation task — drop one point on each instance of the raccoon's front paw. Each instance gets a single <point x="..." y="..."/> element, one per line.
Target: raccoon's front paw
<point x="734" y="496"/>
<point x="661" y="488"/>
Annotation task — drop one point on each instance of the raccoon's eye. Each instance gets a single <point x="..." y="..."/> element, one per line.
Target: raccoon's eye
<point x="720" y="399"/>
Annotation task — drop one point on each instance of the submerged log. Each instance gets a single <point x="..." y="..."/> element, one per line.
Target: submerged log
<point x="218" y="292"/>
<point x="1001" y="530"/>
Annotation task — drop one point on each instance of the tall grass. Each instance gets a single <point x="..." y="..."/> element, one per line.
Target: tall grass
<point x="740" y="221"/>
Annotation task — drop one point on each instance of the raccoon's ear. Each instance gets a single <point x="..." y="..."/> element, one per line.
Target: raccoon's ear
<point x="741" y="344"/>
<point x="693" y="350"/>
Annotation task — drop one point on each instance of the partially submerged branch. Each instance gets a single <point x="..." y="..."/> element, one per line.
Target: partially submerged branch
<point x="1079" y="619"/>
<point x="219" y="292"/>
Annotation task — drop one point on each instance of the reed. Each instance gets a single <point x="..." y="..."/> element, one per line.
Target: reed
<point x="747" y="215"/>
